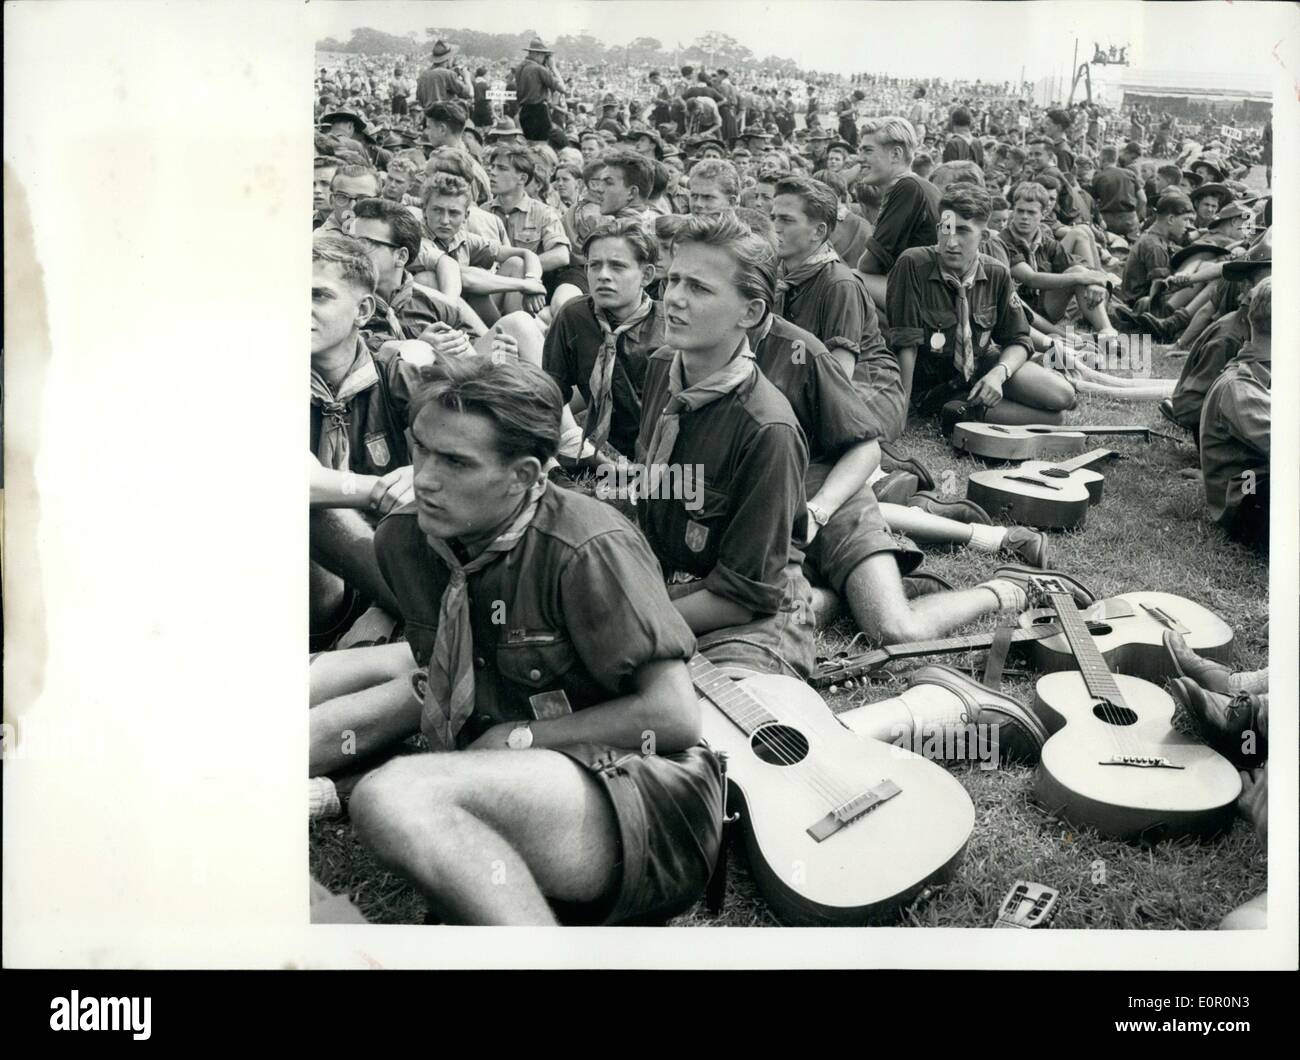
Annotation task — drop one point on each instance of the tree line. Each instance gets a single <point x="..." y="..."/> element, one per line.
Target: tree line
<point x="714" y="49"/>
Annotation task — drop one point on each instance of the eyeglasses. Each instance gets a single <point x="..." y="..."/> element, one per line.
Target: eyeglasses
<point x="339" y="199"/>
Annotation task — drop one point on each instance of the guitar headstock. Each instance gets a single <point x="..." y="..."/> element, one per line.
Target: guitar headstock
<point x="1042" y="587"/>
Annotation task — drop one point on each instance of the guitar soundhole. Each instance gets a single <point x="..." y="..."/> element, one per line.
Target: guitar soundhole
<point x="779" y="745"/>
<point x="1113" y="715"/>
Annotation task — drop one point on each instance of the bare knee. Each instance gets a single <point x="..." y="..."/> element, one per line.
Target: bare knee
<point x="399" y="797"/>
<point x="899" y="626"/>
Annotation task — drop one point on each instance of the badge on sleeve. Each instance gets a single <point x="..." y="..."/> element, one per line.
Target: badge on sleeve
<point x="377" y="447"/>
<point x="697" y="535"/>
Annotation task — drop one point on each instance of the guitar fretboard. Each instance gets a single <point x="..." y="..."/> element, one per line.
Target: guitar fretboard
<point x="1092" y="456"/>
<point x="1096" y="674"/>
<point x="728" y="696"/>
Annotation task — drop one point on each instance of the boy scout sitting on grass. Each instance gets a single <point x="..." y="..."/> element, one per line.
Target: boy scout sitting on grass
<point x="568" y="781"/>
<point x="948" y="305"/>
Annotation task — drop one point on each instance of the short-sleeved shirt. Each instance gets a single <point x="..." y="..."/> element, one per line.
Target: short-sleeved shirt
<point x="438" y="83"/>
<point x="909" y="217"/>
<point x="377" y="417"/>
<point x="466" y="248"/>
<point x="959" y="149"/>
<point x="573" y="343"/>
<point x="1148" y="261"/>
<point x="741" y="539"/>
<point x="534" y="83"/>
<point x="531" y="224"/>
<point x="1235" y="432"/>
<point x="834" y="305"/>
<point x="580" y="220"/>
<point x="416" y="307"/>
<point x="1044" y="254"/>
<point x="583" y="597"/>
<point x="1116" y="190"/>
<point x="830" y="411"/>
<point x="922" y="313"/>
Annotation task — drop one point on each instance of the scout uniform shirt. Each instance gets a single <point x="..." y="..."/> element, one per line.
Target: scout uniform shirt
<point x="754" y="457"/>
<point x="1213" y="349"/>
<point x="533" y="83"/>
<point x="1147" y="262"/>
<point x="572" y="345"/>
<point x="531" y="224"/>
<point x="573" y="609"/>
<point x="1042" y="253"/>
<point x="1116" y="190"/>
<point x="921" y="313"/>
<point x="909" y="217"/>
<point x="412" y="308"/>
<point x="376" y="418"/>
<point x="1235" y="434"/>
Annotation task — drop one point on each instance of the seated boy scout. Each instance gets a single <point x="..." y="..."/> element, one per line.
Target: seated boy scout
<point x="552" y="668"/>
<point x="723" y="460"/>
<point x="816" y="291"/>
<point x="1235" y="430"/>
<point x="1148" y="260"/>
<point x="359" y="468"/>
<point x="600" y="345"/>
<point x="949" y="307"/>
<point x="530" y="223"/>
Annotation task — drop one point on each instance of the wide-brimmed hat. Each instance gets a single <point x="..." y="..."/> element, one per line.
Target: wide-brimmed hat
<point x="700" y="141"/>
<point x="1213" y="190"/>
<point x="442" y="51"/>
<point x="1231" y="212"/>
<point x="1201" y="246"/>
<point x="1245" y="268"/>
<point x="609" y="100"/>
<point x="330" y="117"/>
<point x="538" y="45"/>
<point x="504" y="127"/>
<point x="1211" y="161"/>
<point x="848" y="147"/>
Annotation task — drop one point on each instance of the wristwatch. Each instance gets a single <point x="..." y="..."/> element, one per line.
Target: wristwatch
<point x="521" y="737"/>
<point x="820" y="515"/>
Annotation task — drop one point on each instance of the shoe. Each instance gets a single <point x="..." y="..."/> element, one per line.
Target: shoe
<point x="1083" y="596"/>
<point x="1030" y="545"/>
<point x="1162" y="329"/>
<point x="893" y="458"/>
<point x="923" y="583"/>
<point x="1223" y="721"/>
<point x="955" y="412"/>
<point x="961" y="511"/>
<point x="1166" y="407"/>
<point x="1123" y="315"/>
<point x="897" y="487"/>
<point x="1210" y="675"/>
<point x="1020" y="733"/>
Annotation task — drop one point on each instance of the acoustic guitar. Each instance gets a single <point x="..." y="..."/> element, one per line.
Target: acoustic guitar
<point x="1035" y="441"/>
<point x="1128" y="630"/>
<point x="1050" y="496"/>
<point x="840" y="830"/>
<point x="1114" y="762"/>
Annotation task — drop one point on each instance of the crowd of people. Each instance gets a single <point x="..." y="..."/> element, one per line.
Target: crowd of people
<point x="718" y="296"/>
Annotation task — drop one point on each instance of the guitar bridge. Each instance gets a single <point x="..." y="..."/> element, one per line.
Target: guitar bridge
<point x="845" y="815"/>
<point x="1139" y="762"/>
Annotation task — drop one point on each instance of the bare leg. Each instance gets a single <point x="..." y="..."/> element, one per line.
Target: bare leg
<point x="526" y="333"/>
<point x="340" y="673"/>
<point x="511" y="301"/>
<point x="882" y="610"/>
<point x="926" y="528"/>
<point x="1033" y="395"/>
<point x="487" y="835"/>
<point x="326" y="595"/>
<point x="484" y="307"/>
<point x="347" y="729"/>
<point x="344" y="543"/>
<point x="565" y="292"/>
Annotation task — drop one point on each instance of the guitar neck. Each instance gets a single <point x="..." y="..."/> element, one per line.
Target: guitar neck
<point x="1092" y="456"/>
<point x="1144" y="432"/>
<point x="728" y="696"/>
<point x="1096" y="674"/>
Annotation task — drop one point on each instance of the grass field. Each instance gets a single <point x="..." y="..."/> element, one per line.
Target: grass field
<point x="1149" y="533"/>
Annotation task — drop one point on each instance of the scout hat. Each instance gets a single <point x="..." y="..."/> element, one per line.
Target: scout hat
<point x="848" y="148"/>
<point x="537" y="46"/>
<point x="1212" y="162"/>
<point x="504" y="127"/>
<point x="609" y="100"/>
<point x="1258" y="257"/>
<point x="328" y="119"/>
<point x="442" y="52"/>
<point x="647" y="134"/>
<point x="1201" y="246"/>
<point x="1230" y="213"/>
<point x="1213" y="190"/>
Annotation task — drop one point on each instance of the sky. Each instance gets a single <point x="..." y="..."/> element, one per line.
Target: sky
<point x="960" y="40"/>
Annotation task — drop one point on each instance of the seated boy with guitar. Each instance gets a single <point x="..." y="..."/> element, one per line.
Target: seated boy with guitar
<point x="552" y="662"/>
<point x="958" y="330"/>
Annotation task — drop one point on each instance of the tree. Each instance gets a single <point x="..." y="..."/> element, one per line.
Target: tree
<point x="719" y="47"/>
<point x="645" y="50"/>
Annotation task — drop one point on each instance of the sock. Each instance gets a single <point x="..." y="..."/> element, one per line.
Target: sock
<point x="1011" y="597"/>
<point x="987" y="538"/>
<point x="322" y="798"/>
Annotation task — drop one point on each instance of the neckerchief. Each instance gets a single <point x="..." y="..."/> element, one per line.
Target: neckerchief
<point x="334" y="449"/>
<point x="737" y="371"/>
<point x="602" y="372"/>
<point x="450" y="701"/>
<point x="801" y="274"/>
<point x="963" y="354"/>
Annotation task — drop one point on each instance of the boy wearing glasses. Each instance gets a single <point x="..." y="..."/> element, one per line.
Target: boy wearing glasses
<point x="350" y="185"/>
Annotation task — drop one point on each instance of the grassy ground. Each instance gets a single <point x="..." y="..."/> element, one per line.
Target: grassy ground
<point x="1149" y="532"/>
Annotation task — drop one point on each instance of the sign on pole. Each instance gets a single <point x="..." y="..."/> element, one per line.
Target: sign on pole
<point x="1229" y="133"/>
